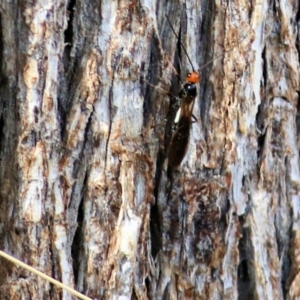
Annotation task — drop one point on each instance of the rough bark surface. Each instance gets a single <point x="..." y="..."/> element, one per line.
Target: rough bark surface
<point x="86" y="194"/>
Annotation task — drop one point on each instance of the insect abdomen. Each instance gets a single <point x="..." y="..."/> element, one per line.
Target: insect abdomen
<point x="179" y="143"/>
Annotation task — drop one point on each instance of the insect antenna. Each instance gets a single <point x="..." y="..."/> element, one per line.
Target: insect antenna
<point x="180" y="43"/>
<point x="221" y="54"/>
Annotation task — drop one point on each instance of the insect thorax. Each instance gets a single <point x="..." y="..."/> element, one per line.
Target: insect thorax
<point x="188" y="92"/>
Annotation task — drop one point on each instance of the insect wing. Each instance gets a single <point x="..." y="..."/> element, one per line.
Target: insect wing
<point x="179" y="142"/>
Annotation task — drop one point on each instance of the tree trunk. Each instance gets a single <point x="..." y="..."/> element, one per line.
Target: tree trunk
<point x="86" y="194"/>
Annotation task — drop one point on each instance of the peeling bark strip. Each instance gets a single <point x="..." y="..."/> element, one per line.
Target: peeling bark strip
<point x="85" y="192"/>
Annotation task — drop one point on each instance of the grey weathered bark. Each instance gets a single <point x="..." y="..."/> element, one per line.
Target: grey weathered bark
<point x="85" y="192"/>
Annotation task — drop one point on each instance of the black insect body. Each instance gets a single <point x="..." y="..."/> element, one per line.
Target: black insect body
<point x="182" y="124"/>
<point x="183" y="120"/>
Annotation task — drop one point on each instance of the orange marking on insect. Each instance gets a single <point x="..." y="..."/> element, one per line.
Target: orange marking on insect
<point x="193" y="77"/>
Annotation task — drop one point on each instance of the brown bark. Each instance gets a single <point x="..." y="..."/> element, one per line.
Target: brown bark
<point x="86" y="194"/>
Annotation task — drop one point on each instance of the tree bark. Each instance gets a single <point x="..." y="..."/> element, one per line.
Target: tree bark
<point x="86" y="194"/>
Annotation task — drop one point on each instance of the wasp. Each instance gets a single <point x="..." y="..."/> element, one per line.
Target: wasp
<point x="182" y="124"/>
<point x="183" y="120"/>
<point x="185" y="100"/>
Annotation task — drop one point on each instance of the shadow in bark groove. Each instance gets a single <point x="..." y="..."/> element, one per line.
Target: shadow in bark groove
<point x="265" y="68"/>
<point x="246" y="283"/>
<point x="70" y="67"/>
<point x="1" y="51"/>
<point x="155" y="222"/>
<point x="78" y="241"/>
<point x="153" y="75"/>
<point x="260" y="116"/>
<point x="204" y="43"/>
<point x="1" y="132"/>
<point x="69" y="35"/>
<point x="3" y="84"/>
